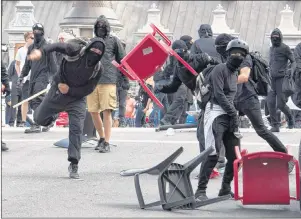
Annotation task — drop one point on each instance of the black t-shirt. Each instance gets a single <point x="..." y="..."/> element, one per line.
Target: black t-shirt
<point x="143" y="96"/>
<point x="245" y="90"/>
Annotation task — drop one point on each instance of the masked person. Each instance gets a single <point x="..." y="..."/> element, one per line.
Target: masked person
<point x="296" y="97"/>
<point x="182" y="79"/>
<point x="205" y="43"/>
<point x="41" y="74"/>
<point x="5" y="89"/>
<point x="78" y="76"/>
<point x="280" y="53"/>
<point x="246" y="100"/>
<point x="220" y="118"/>
<point x="103" y="98"/>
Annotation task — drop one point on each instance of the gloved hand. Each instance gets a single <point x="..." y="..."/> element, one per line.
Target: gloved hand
<point x="234" y="123"/>
<point x="126" y="86"/>
<point x="214" y="61"/>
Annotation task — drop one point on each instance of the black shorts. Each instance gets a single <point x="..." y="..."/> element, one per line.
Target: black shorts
<point x="25" y="90"/>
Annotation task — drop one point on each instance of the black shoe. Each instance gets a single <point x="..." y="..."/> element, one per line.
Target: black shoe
<point x="47" y="128"/>
<point x="99" y="142"/>
<point x="275" y="129"/>
<point x="3" y="146"/>
<point x="200" y="195"/>
<point x="21" y="124"/>
<point x="104" y="147"/>
<point x="33" y="129"/>
<point x="73" y="171"/>
<point x="225" y="190"/>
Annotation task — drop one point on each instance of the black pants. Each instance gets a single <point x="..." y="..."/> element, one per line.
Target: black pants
<point x="122" y="103"/>
<point x="54" y="103"/>
<point x="277" y="100"/>
<point x="176" y="108"/>
<point x="16" y="113"/>
<point x="251" y="108"/>
<point x="223" y="136"/>
<point x="35" y="87"/>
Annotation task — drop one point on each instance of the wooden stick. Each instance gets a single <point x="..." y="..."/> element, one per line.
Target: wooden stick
<point x="32" y="97"/>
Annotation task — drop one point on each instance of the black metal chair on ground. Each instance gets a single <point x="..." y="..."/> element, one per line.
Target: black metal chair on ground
<point x="177" y="177"/>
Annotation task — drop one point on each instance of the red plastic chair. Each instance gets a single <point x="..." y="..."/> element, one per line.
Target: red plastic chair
<point x="146" y="58"/>
<point x="63" y="119"/>
<point x="265" y="178"/>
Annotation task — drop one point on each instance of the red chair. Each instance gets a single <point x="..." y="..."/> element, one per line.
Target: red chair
<point x="265" y="178"/>
<point x="147" y="58"/>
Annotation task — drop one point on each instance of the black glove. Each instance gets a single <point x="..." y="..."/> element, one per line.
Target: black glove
<point x="234" y="123"/>
<point x="126" y="86"/>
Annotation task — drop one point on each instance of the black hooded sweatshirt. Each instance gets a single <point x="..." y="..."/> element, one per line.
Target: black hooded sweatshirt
<point x="4" y="76"/>
<point x="296" y="97"/>
<point x="206" y="43"/>
<point x="41" y="70"/>
<point x="114" y="51"/>
<point x="76" y="74"/>
<point x="279" y="56"/>
<point x="181" y="74"/>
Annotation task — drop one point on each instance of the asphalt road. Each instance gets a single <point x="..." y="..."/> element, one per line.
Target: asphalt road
<point x="35" y="179"/>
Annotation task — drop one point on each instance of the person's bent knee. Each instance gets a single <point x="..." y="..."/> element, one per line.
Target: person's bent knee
<point x="39" y="119"/>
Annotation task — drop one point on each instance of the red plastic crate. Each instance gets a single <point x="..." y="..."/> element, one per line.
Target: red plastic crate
<point x="63" y="119"/>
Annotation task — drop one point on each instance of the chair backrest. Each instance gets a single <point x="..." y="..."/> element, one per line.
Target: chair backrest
<point x="266" y="178"/>
<point x="147" y="57"/>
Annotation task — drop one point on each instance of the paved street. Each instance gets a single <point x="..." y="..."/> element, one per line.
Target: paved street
<point x="35" y="179"/>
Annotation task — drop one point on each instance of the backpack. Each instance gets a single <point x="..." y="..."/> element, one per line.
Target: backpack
<point x="203" y="90"/>
<point x="260" y="75"/>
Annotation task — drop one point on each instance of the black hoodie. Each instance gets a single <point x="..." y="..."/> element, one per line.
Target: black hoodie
<point x="114" y="51"/>
<point x="279" y="56"/>
<point x="41" y="70"/>
<point x="206" y="43"/>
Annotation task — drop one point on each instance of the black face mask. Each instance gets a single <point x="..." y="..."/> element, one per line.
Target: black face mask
<point x="38" y="37"/>
<point x="234" y="61"/>
<point x="276" y="41"/>
<point x="101" y="32"/>
<point x="181" y="52"/>
<point x="189" y="44"/>
<point x="92" y="59"/>
<point x="222" y="51"/>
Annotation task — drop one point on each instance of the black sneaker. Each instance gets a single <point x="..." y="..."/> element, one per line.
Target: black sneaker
<point x="99" y="142"/>
<point x="73" y="168"/>
<point x="47" y="128"/>
<point x="3" y="146"/>
<point x="104" y="147"/>
<point x="200" y="195"/>
<point x="33" y="129"/>
<point x="226" y="190"/>
<point x="275" y="129"/>
<point x="290" y="124"/>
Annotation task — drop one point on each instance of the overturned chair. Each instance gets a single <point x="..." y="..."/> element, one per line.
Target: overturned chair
<point x="176" y="178"/>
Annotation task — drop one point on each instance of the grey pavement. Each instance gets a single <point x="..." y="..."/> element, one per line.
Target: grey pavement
<point x="35" y="179"/>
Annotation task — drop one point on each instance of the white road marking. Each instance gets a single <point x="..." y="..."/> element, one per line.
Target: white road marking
<point x="142" y="141"/>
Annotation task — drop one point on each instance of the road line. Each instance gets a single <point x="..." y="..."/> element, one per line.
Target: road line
<point x="141" y="141"/>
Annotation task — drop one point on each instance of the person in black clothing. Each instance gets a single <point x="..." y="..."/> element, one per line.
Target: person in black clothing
<point x="41" y="72"/>
<point x="123" y="85"/>
<point x="182" y="79"/>
<point x="142" y="105"/>
<point x="77" y="77"/>
<point x="5" y="89"/>
<point x="246" y="100"/>
<point x="221" y="119"/>
<point x="280" y="53"/>
<point x="16" y="97"/>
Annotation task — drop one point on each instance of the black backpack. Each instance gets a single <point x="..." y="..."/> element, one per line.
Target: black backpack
<point x="203" y="90"/>
<point x="260" y="74"/>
